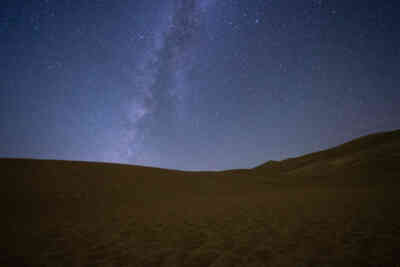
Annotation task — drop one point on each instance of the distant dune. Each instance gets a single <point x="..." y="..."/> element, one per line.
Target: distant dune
<point x="336" y="207"/>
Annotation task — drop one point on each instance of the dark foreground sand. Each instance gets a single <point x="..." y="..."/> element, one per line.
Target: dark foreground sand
<point x="339" y="207"/>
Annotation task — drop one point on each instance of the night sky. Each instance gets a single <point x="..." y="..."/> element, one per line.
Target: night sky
<point x="195" y="84"/>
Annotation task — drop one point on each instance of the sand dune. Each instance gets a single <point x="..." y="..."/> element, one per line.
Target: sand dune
<point x="331" y="208"/>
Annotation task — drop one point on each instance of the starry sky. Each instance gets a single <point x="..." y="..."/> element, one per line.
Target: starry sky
<point x="195" y="84"/>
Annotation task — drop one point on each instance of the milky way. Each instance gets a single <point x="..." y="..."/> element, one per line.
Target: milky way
<point x="162" y="85"/>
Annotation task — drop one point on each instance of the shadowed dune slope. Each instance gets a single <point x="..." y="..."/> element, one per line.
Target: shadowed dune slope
<point x="371" y="159"/>
<point x="334" y="208"/>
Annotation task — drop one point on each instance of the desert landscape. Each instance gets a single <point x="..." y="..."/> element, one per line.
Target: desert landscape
<point x="337" y="207"/>
<point x="199" y="133"/>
